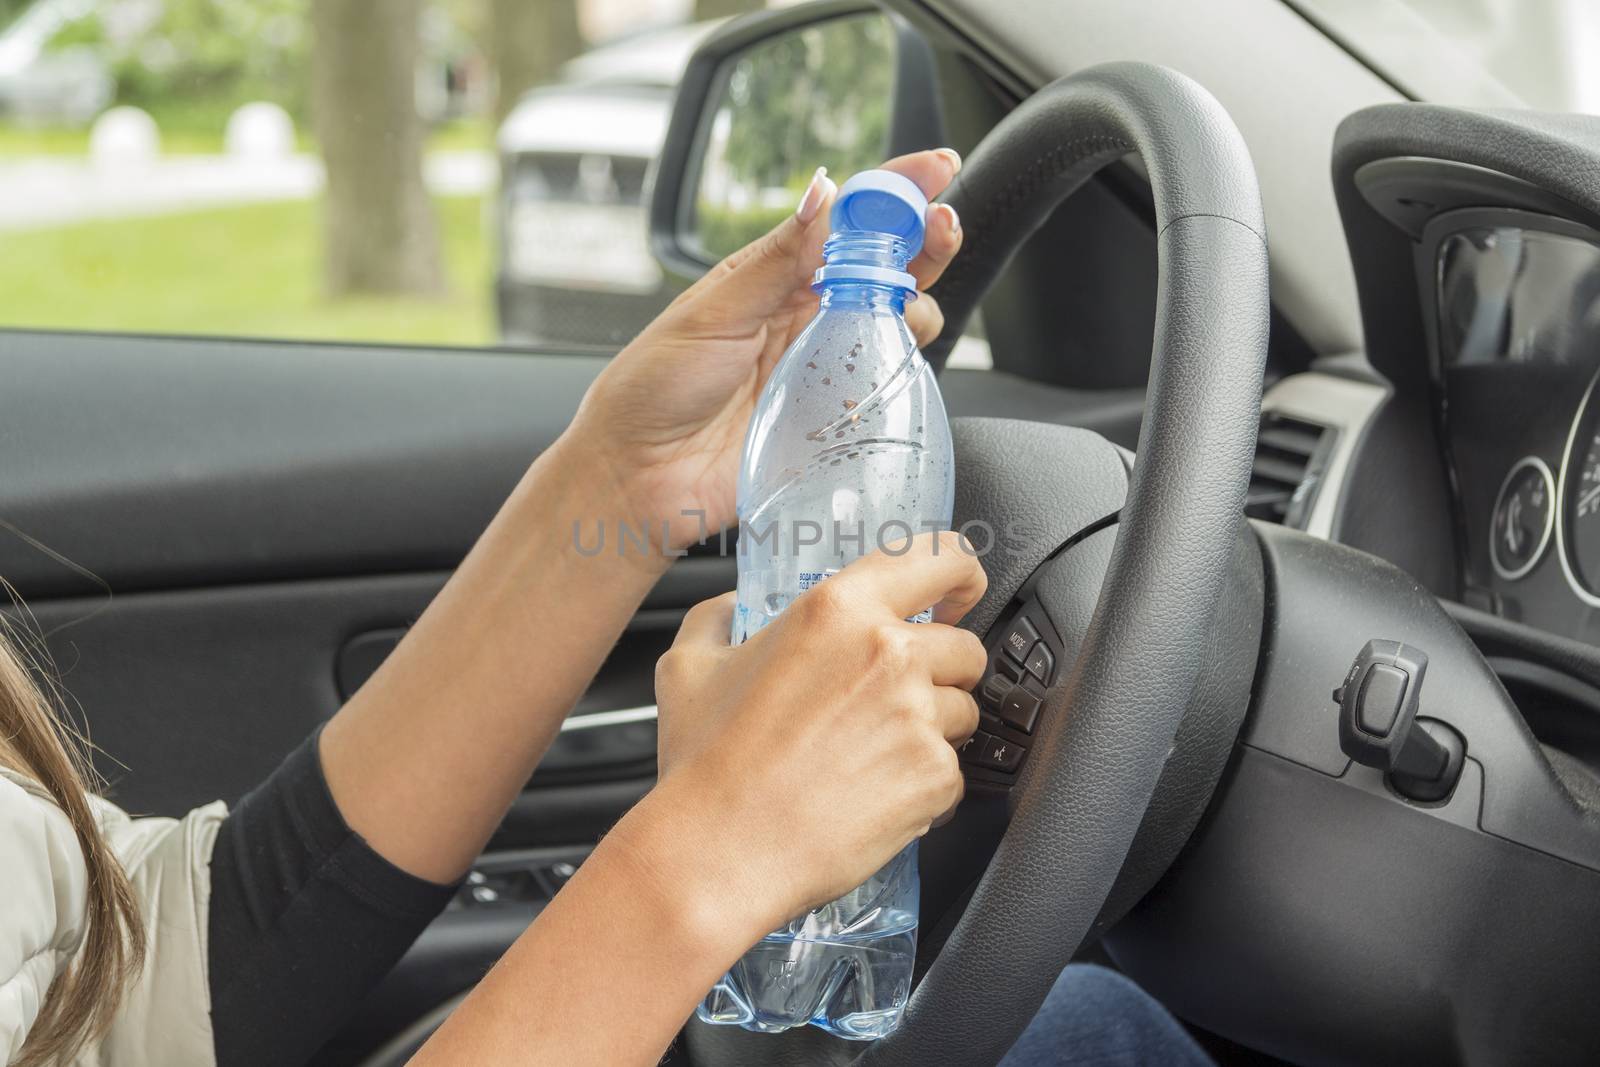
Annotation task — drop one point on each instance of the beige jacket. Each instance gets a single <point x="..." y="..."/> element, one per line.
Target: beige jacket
<point x="165" y="1017"/>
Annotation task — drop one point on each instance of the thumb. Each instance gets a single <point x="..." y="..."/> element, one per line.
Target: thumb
<point x="766" y="272"/>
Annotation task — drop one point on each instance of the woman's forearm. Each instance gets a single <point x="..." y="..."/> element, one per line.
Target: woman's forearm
<point x="425" y="759"/>
<point x="616" y="963"/>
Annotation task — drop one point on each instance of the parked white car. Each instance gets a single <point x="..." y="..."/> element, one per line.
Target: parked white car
<point x="574" y="263"/>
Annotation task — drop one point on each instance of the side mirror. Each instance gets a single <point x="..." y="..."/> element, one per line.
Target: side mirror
<point x="767" y="99"/>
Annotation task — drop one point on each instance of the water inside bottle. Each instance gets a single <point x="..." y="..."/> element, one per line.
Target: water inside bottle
<point x="845" y="967"/>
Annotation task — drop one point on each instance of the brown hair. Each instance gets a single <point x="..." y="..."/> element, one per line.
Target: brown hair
<point x="37" y="742"/>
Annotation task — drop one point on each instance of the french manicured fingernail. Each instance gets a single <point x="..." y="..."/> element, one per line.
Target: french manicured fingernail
<point x="812" y="199"/>
<point x="951" y="219"/>
<point x="950" y="156"/>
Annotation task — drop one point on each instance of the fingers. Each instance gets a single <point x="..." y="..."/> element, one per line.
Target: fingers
<point x="759" y="277"/>
<point x="957" y="713"/>
<point x="929" y="569"/>
<point x="957" y="657"/>
<point x="707" y="623"/>
<point x="939" y="245"/>
<point x="925" y="319"/>
<point x="932" y="170"/>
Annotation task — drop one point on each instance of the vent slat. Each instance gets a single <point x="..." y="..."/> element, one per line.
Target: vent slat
<point x="1300" y="442"/>
<point x="1283" y="471"/>
<point x="1285" y="450"/>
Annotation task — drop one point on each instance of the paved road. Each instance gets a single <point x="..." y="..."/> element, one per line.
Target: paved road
<point x="51" y="190"/>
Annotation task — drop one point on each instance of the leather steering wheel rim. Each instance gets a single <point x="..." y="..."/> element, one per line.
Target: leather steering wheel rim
<point x="1108" y="728"/>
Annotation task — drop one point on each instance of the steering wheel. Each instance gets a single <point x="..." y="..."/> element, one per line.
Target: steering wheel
<point x="1147" y="647"/>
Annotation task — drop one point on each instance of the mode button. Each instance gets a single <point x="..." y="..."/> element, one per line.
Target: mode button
<point x="1019" y="639"/>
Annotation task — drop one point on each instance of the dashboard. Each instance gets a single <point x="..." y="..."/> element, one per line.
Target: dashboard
<point x="1514" y="298"/>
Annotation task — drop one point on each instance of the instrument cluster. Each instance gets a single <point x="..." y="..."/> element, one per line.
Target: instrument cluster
<point x="1517" y="354"/>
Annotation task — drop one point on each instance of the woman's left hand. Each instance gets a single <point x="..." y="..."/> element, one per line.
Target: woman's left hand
<point x="666" y="419"/>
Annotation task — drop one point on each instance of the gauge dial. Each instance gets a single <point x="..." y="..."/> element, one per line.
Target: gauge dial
<point x="1523" y="515"/>
<point x="1583" y="509"/>
<point x="1578" y="495"/>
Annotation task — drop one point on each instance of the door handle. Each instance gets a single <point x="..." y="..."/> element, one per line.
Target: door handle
<point x="602" y="742"/>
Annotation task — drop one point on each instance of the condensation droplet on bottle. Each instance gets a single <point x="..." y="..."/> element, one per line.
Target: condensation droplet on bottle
<point x="774" y="603"/>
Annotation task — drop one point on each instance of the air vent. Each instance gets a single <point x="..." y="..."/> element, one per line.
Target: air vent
<point x="1291" y="457"/>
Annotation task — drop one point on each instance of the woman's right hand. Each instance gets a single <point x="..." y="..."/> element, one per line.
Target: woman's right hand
<point x="792" y="767"/>
<point x="815" y="751"/>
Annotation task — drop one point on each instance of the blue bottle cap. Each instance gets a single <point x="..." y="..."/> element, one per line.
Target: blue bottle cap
<point x="881" y="201"/>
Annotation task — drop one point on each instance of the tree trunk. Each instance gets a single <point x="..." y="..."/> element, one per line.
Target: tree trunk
<point x="528" y="42"/>
<point x="380" y="234"/>
<point x="716" y="9"/>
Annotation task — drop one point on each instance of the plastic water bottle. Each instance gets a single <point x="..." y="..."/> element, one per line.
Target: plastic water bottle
<point x="848" y="450"/>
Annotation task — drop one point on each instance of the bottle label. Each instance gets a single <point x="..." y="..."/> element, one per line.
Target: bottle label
<point x="811" y="578"/>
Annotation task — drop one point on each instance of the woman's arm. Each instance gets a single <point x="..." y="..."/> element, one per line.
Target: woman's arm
<point x="425" y="759"/>
<point x="427" y="756"/>
<point x="778" y="793"/>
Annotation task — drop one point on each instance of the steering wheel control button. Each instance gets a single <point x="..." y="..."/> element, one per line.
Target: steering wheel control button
<point x="1020" y="708"/>
<point x="973" y="747"/>
<point x="1383" y="692"/>
<point x="1011" y="672"/>
<point x="992" y="694"/>
<point x="999" y="754"/>
<point x="1020" y="639"/>
<point x="1040" y="663"/>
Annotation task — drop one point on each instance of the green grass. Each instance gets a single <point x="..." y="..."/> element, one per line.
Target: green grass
<point x="17" y="141"/>
<point x="254" y="270"/>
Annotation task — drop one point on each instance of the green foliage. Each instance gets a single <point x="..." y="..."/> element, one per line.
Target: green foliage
<point x="818" y="97"/>
<point x="10" y="9"/>
<point x="203" y="58"/>
<point x="721" y="230"/>
<point x="196" y="61"/>
<point x="84" y="32"/>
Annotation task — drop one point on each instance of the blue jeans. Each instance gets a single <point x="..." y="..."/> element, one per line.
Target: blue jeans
<point x="1094" y="1017"/>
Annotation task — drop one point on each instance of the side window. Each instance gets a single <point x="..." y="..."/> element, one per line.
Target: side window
<point x="459" y="172"/>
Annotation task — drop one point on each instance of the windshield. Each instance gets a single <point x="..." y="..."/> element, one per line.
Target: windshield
<point x="1475" y="53"/>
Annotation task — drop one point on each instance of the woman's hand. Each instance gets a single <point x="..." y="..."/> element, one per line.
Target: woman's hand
<point x="793" y="767"/>
<point x="666" y="419"/>
<point x="816" y="750"/>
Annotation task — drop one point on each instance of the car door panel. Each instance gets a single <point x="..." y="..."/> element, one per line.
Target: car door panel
<point x="157" y="462"/>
